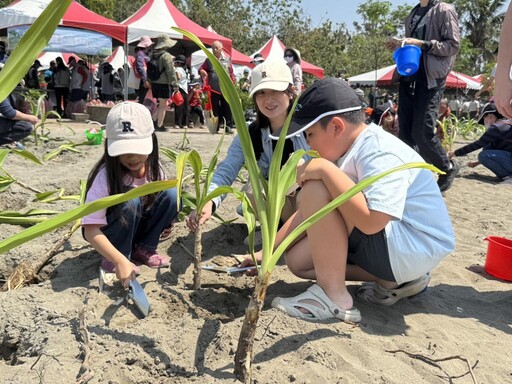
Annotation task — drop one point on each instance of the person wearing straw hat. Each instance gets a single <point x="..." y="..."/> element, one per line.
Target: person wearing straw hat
<point x="496" y="144"/>
<point x="141" y="59"/>
<point x="432" y="26"/>
<point x="292" y="58"/>
<point x="161" y="87"/>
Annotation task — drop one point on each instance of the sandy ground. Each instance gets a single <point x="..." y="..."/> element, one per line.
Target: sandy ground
<point x="191" y="336"/>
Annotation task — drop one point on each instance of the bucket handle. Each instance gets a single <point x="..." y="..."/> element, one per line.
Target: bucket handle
<point x="486" y="238"/>
<point x="403" y="43"/>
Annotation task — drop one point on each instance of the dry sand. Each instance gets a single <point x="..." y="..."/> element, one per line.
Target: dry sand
<point x="192" y="336"/>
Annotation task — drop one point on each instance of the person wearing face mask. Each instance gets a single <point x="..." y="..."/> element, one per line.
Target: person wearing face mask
<point x="292" y="58"/>
<point x="496" y="142"/>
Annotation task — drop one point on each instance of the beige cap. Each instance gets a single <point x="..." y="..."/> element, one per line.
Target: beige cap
<point x="271" y="74"/>
<point x="129" y="129"/>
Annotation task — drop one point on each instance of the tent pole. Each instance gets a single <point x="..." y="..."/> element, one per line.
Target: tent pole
<point x="125" y="72"/>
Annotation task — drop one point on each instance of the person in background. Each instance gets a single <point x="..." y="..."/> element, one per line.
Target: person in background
<point x="107" y="82"/>
<point x="474" y="107"/>
<point x="181" y="112"/>
<point x="257" y="59"/>
<point x="87" y="84"/>
<point x="244" y="83"/>
<point x="161" y="87"/>
<point x="496" y="144"/>
<point x="454" y="105"/>
<point x="32" y="77"/>
<point x="78" y="78"/>
<point x="62" y="77"/>
<point x="432" y="26"/>
<point x="219" y="104"/>
<point x="195" y="103"/>
<point x="292" y="58"/>
<point x="14" y="124"/>
<point x="141" y="59"/>
<point x="503" y="90"/>
<point x="130" y="230"/>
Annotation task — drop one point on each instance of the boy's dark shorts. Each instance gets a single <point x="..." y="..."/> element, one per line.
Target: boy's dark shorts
<point x="370" y="252"/>
<point x="161" y="91"/>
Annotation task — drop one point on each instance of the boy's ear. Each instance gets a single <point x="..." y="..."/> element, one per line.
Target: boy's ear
<point x="339" y="124"/>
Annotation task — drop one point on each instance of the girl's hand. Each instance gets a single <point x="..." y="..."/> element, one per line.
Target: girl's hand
<point x="193" y="220"/>
<point x="125" y="272"/>
<point x="473" y="164"/>
<point x="310" y="170"/>
<point x="451" y="154"/>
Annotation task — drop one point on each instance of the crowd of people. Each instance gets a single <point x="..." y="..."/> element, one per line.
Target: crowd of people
<point x="391" y="235"/>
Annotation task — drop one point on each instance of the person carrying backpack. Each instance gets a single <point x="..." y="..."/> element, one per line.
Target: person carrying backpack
<point x="160" y="86"/>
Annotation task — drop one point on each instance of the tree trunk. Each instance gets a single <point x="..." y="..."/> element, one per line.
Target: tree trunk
<point x="198" y="250"/>
<point x="244" y="352"/>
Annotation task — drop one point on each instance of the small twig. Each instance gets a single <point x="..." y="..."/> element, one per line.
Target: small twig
<point x="21" y="183"/>
<point x="189" y="254"/>
<point x="88" y="373"/>
<point x="267" y="327"/>
<point x="434" y="362"/>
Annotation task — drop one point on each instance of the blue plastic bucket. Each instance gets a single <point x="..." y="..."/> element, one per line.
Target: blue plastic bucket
<point x="407" y="59"/>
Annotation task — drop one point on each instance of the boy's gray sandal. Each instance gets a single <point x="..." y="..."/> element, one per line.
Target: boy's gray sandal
<point x="323" y="309"/>
<point x="374" y="293"/>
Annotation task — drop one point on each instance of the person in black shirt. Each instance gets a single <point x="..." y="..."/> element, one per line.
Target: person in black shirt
<point x="496" y="143"/>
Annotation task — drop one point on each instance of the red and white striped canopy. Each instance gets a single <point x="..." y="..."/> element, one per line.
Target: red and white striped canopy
<point x="157" y="17"/>
<point x="383" y="77"/>
<point x="274" y="48"/>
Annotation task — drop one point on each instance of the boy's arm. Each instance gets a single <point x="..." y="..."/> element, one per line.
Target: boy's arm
<point x="355" y="211"/>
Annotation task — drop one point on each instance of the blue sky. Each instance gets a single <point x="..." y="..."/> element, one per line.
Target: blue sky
<point x="339" y="11"/>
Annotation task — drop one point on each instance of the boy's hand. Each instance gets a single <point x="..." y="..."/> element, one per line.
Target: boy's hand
<point x="310" y="170"/>
<point x="193" y="220"/>
<point x="248" y="262"/>
<point x="125" y="272"/>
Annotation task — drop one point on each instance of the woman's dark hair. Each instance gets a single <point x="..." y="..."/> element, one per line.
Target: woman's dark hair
<point x="292" y="52"/>
<point x="262" y="122"/>
<point x="116" y="172"/>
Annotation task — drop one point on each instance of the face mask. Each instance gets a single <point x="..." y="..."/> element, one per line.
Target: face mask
<point x="288" y="59"/>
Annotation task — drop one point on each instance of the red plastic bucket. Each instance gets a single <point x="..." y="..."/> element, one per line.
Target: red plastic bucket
<point x="499" y="257"/>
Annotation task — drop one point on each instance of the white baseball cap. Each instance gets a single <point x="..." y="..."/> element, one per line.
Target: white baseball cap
<point x="271" y="74"/>
<point x="129" y="129"/>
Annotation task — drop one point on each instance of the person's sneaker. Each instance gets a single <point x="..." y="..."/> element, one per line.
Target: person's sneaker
<point x="229" y="130"/>
<point x="257" y="240"/>
<point x="191" y="125"/>
<point x="445" y="181"/>
<point x="110" y="267"/>
<point x="161" y="129"/>
<point x="203" y="126"/>
<point x="176" y="126"/>
<point x="150" y="258"/>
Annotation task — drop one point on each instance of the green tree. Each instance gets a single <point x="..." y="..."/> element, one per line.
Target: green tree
<point x="379" y="21"/>
<point x="480" y="22"/>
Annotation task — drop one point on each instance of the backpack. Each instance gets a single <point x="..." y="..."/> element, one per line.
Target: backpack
<point x="153" y="69"/>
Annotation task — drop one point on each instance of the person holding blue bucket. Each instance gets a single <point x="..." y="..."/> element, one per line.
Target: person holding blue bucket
<point x="424" y="59"/>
